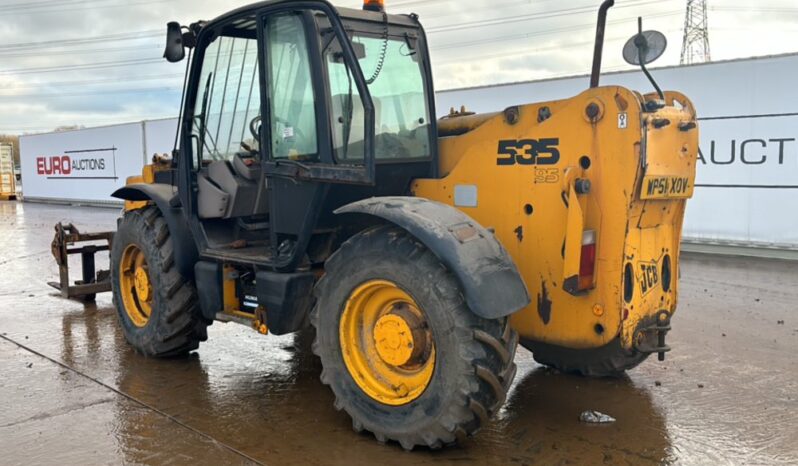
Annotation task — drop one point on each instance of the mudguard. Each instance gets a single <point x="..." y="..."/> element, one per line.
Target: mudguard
<point x="165" y="198"/>
<point x="491" y="283"/>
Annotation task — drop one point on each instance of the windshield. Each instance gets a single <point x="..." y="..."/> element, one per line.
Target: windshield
<point x="395" y="79"/>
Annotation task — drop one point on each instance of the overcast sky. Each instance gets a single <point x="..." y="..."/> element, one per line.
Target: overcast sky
<point x="55" y="71"/>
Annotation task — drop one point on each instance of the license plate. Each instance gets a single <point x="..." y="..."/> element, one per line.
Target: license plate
<point x="666" y="187"/>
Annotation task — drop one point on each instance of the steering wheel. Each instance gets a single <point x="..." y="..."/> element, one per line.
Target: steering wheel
<point x="254" y="127"/>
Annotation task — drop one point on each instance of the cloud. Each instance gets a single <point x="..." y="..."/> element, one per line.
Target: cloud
<point x="79" y="105"/>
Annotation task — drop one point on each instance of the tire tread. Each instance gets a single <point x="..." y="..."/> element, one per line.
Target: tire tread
<point x="180" y="326"/>
<point x="489" y="345"/>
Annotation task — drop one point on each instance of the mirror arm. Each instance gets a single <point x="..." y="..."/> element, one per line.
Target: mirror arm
<point x="640" y="46"/>
<point x="599" y="46"/>
<point x="650" y="78"/>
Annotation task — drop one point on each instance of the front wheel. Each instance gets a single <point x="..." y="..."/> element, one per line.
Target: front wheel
<point x="404" y="355"/>
<point x="157" y="306"/>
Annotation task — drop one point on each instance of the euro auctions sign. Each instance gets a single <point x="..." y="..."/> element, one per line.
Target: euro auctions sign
<point x="86" y="165"/>
<point x="79" y="164"/>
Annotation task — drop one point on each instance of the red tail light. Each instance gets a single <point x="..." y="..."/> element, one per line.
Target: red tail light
<point x="587" y="261"/>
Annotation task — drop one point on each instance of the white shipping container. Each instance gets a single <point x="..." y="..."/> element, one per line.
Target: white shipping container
<point x="7" y="179"/>
<point x="159" y="136"/>
<point x="747" y="182"/>
<point x="87" y="165"/>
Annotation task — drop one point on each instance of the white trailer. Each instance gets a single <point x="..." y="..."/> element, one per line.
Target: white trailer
<point x="747" y="183"/>
<point x="85" y="166"/>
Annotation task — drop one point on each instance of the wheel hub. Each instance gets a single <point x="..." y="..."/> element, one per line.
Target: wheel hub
<point x="135" y="286"/>
<point x="399" y="337"/>
<point x="142" y="283"/>
<point x="386" y="343"/>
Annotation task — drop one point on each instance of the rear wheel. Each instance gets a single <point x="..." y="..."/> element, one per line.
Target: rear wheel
<point x="157" y="306"/>
<point x="404" y="355"/>
<point x="610" y="360"/>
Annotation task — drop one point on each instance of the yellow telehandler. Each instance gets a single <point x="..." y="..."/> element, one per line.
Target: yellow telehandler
<point x="311" y="185"/>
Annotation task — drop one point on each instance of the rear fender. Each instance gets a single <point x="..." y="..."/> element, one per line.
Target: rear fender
<point x="491" y="283"/>
<point x="164" y="196"/>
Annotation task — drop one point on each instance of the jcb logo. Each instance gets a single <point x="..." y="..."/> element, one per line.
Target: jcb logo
<point x="529" y="152"/>
<point x="649" y="276"/>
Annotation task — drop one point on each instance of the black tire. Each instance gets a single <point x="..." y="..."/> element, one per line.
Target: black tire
<point x="474" y="366"/>
<point x="610" y="360"/>
<point x="175" y="326"/>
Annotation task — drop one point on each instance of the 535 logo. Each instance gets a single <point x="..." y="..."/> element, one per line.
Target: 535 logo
<point x="529" y="152"/>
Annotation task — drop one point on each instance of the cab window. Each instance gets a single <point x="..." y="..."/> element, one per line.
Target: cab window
<point x="395" y="80"/>
<point x="228" y="99"/>
<point x="292" y="110"/>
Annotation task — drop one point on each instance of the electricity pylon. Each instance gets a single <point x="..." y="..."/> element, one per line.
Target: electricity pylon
<point x="695" y="45"/>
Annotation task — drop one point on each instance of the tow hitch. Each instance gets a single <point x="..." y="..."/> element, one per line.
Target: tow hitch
<point x="643" y="336"/>
<point x="93" y="281"/>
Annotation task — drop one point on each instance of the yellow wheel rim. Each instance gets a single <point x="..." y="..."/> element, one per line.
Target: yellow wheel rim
<point x="386" y="343"/>
<point x="135" y="286"/>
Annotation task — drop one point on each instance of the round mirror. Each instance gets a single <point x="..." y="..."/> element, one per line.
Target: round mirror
<point x="649" y="45"/>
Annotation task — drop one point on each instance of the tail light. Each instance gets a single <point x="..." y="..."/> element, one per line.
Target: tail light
<point x="587" y="260"/>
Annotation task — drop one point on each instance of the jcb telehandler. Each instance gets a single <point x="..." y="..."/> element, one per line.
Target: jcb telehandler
<point x="312" y="185"/>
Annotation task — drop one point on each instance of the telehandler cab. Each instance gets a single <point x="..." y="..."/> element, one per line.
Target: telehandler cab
<point x="312" y="185"/>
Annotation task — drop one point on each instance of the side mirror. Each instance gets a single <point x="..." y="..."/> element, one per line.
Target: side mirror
<point x="175" y="50"/>
<point x="644" y="47"/>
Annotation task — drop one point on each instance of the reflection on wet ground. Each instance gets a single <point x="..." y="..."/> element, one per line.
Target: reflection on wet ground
<point x="726" y="394"/>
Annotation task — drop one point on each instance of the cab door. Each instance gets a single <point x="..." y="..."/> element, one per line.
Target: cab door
<point x="296" y="134"/>
<point x="299" y="137"/>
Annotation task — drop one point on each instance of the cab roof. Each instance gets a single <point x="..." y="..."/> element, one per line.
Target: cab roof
<point x="409" y="20"/>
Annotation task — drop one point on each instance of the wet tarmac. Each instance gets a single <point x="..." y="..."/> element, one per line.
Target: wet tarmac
<point x="73" y="392"/>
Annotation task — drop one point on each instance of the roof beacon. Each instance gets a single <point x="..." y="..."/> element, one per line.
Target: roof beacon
<point x="374" y="5"/>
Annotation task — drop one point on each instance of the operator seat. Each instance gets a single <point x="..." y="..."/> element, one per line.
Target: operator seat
<point x="229" y="189"/>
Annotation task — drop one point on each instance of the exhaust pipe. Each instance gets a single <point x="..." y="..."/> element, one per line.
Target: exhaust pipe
<point x="599" y="47"/>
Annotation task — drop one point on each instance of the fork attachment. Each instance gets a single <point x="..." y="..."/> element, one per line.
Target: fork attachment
<point x="93" y="281"/>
